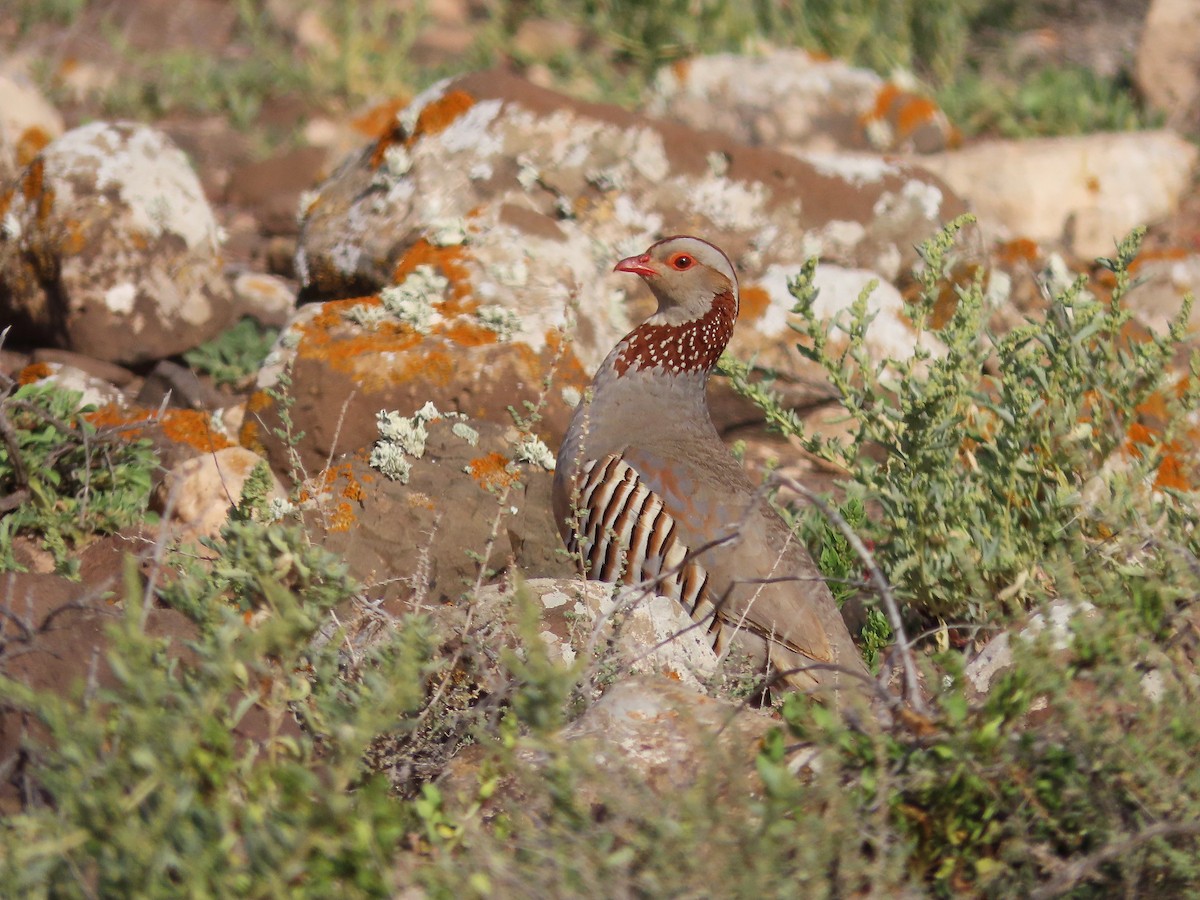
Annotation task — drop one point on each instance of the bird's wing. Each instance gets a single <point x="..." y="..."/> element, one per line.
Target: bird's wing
<point x="759" y="577"/>
<point x="645" y="519"/>
<point x="623" y="533"/>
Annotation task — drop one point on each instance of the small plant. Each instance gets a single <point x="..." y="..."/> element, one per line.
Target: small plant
<point x="62" y="479"/>
<point x="234" y="356"/>
<point x="986" y="473"/>
<point x="1047" y="101"/>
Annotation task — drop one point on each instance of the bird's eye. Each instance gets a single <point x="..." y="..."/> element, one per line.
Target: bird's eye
<point x="682" y="261"/>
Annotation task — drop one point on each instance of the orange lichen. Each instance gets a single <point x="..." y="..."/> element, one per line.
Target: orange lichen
<point x="568" y="369"/>
<point x="1178" y="454"/>
<point x="258" y="401"/>
<point x="30" y="144"/>
<point x="34" y="372"/>
<point x="440" y="114"/>
<point x="1018" y="250"/>
<point x="75" y="240"/>
<point x="468" y="334"/>
<point x="1092" y="183"/>
<point x="194" y="428"/>
<point x="491" y="472"/>
<point x="884" y="98"/>
<point x="34" y="180"/>
<point x="190" y="427"/>
<point x="754" y="302"/>
<point x="913" y="112"/>
<point x="343" y="517"/>
<point x="450" y="261"/>
<point x="380" y="119"/>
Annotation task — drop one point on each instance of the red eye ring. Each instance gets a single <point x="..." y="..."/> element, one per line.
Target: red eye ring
<point x="681" y="261"/>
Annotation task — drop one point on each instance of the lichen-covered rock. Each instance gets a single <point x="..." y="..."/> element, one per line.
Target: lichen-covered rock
<point x="625" y="632"/>
<point x="539" y="194"/>
<point x="1089" y="190"/>
<point x="414" y="530"/>
<point x="27" y="124"/>
<point x="108" y="247"/>
<point x="345" y="360"/>
<point x="1162" y="281"/>
<point x="793" y="101"/>
<point x="646" y="737"/>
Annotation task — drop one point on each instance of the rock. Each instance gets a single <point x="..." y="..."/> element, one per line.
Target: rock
<point x="1168" y="61"/>
<point x="997" y="654"/>
<point x="267" y="299"/>
<point x="272" y="187"/>
<point x="94" y="389"/>
<point x="27" y="124"/>
<point x="118" y="376"/>
<point x="416" y="541"/>
<point x="647" y="737"/>
<point x="523" y="199"/>
<point x="793" y="101"/>
<point x="1089" y="190"/>
<point x="169" y="383"/>
<point x="665" y="731"/>
<point x="631" y="632"/>
<point x="198" y="492"/>
<point x="343" y="367"/>
<point x="1162" y="281"/>
<point x="109" y="248"/>
<point x="177" y="434"/>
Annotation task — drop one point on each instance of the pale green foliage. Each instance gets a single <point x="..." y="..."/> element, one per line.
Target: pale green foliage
<point x="234" y="356"/>
<point x="993" y="443"/>
<point x="151" y="792"/>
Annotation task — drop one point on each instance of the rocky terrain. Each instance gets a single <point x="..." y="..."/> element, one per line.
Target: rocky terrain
<point x="455" y="248"/>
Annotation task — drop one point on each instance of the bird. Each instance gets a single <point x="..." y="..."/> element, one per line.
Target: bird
<point x="646" y="493"/>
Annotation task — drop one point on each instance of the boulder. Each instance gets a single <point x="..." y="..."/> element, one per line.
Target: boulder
<point x="109" y="248"/>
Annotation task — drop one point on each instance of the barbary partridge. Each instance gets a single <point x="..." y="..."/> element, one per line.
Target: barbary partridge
<point x="646" y="492"/>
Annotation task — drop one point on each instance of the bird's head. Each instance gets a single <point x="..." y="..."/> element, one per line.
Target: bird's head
<point x="697" y="296"/>
<point x="687" y="275"/>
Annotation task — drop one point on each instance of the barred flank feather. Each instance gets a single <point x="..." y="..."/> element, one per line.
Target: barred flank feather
<point x="625" y="536"/>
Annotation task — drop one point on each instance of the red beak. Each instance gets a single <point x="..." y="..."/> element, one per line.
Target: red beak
<point x="637" y="265"/>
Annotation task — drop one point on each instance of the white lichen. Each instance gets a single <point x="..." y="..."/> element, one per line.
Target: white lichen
<point x="447" y="232"/>
<point x="500" y="319"/>
<point x="304" y="205"/>
<point x="279" y="508"/>
<point x="531" y="449"/>
<point x="406" y="432"/>
<point x="120" y="297"/>
<point x="466" y="432"/>
<point x="412" y="300"/>
<point x="527" y="173"/>
<point x="11" y="227"/>
<point x="397" y="161"/>
<point x="367" y="315"/>
<point x="571" y="395"/>
<point x="390" y="460"/>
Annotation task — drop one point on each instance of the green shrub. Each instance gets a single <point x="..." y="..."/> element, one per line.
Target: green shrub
<point x="149" y="791"/>
<point x="996" y="445"/>
<point x="235" y="355"/>
<point x="61" y="478"/>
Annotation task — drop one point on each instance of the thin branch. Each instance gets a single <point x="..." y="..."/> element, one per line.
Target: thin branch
<point x="911" y="681"/>
<point x="1085" y="868"/>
